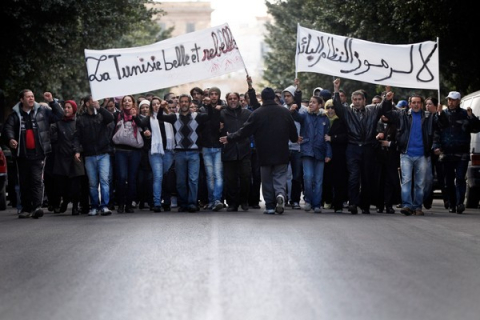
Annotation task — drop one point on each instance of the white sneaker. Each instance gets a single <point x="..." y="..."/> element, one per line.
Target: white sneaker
<point x="307" y="206"/>
<point x="327" y="206"/>
<point x="280" y="204"/>
<point x="317" y="210"/>
<point x="105" y="211"/>
<point x="92" y="212"/>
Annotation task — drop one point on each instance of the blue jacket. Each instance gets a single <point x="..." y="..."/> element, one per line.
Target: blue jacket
<point x="314" y="127"/>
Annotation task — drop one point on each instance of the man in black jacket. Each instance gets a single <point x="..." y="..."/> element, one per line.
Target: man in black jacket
<point x="27" y="132"/>
<point x="93" y="137"/>
<point x="361" y="124"/>
<point x="272" y="127"/>
<point x="236" y="156"/>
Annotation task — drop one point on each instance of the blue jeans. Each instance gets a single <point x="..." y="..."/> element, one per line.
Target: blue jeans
<point x="187" y="167"/>
<point x="212" y="160"/>
<point x="126" y="168"/>
<point x="418" y="166"/>
<point x="313" y="180"/>
<point x="160" y="165"/>
<point x="98" y="171"/>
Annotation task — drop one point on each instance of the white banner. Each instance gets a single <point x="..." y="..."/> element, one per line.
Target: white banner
<point x="406" y="66"/>
<point x="191" y="57"/>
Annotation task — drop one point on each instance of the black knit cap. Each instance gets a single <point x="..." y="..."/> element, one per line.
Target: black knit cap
<point x="268" y="94"/>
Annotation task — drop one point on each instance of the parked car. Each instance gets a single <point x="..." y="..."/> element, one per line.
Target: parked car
<point x="472" y="196"/>
<point x="3" y="180"/>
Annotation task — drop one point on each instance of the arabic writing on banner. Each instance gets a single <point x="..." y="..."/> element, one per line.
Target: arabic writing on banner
<point x="406" y="66"/>
<point x="191" y="57"/>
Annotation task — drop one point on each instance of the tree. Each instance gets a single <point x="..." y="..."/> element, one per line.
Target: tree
<point x="392" y="22"/>
<point x="45" y="41"/>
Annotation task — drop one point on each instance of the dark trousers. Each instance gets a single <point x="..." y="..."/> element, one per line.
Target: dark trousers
<point x="145" y="186"/>
<point x="297" y="176"/>
<point x="360" y="160"/>
<point x="455" y="172"/>
<point x="169" y="187"/>
<point x="237" y="181"/>
<point x="30" y="178"/>
<point x="335" y="181"/>
<point x="67" y="188"/>
<point x="255" y="181"/>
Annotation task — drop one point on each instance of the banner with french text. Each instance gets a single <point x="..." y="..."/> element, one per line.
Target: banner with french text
<point x="406" y="66"/>
<point x="191" y="57"/>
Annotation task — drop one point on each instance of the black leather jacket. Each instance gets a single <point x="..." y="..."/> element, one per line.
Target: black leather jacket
<point x="360" y="132"/>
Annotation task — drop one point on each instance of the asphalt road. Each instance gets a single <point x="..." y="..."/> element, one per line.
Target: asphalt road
<point x="243" y="265"/>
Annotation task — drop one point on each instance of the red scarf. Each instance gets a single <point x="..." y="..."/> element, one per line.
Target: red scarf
<point x="128" y="117"/>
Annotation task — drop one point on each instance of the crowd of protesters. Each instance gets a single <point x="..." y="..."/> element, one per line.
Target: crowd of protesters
<point x="199" y="152"/>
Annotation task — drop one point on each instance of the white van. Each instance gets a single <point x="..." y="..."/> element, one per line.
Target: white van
<point x="472" y="195"/>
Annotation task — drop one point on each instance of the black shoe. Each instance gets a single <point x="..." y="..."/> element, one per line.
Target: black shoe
<point x="255" y="206"/>
<point x="75" y="211"/>
<point x="460" y="208"/>
<point x="24" y="215"/>
<point x="63" y="207"/>
<point x="232" y="209"/>
<point x="157" y="209"/>
<point x="182" y="209"/>
<point x="50" y="208"/>
<point x="244" y="207"/>
<point x="192" y="208"/>
<point x="56" y="210"/>
<point x="452" y="210"/>
<point x="141" y="205"/>
<point x="111" y="207"/>
<point x="38" y="213"/>
<point x="390" y="210"/>
<point x="379" y="210"/>
<point x="353" y="209"/>
<point x="406" y="211"/>
<point x="366" y="211"/>
<point x="121" y="208"/>
<point x="427" y="206"/>
<point x="446" y="204"/>
<point x="167" y="208"/>
<point x="129" y="210"/>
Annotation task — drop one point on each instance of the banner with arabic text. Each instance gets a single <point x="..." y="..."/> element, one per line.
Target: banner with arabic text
<point x="191" y="57"/>
<point x="407" y="66"/>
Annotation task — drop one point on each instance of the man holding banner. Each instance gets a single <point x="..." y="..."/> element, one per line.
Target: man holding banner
<point x="187" y="150"/>
<point x="361" y="125"/>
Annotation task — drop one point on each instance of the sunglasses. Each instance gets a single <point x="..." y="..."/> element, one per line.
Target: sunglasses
<point x="328" y="107"/>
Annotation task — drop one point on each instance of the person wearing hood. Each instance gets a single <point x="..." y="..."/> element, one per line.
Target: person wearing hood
<point x="27" y="133"/>
<point x="335" y="179"/>
<point x="316" y="91"/>
<point x="315" y="151"/>
<point x="292" y="95"/>
<point x="67" y="171"/>
<point x="272" y="127"/>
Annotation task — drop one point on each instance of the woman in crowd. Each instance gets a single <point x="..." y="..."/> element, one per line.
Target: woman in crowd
<point x="67" y="171"/>
<point x="160" y="142"/>
<point x="127" y="157"/>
